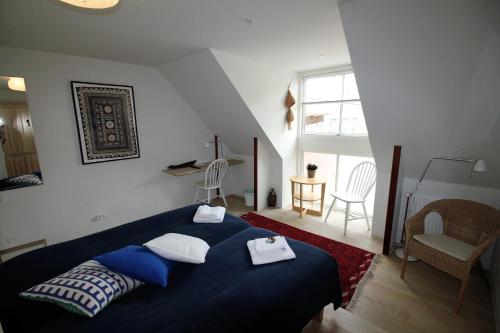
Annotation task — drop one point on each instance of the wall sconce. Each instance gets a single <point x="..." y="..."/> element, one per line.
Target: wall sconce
<point x="2" y="131"/>
<point x="16" y="83"/>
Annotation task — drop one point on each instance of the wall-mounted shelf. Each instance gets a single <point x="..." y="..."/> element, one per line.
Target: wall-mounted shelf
<point x="202" y="168"/>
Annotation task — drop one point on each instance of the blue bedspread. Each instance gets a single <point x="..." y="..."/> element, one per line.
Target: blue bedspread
<point x="226" y="294"/>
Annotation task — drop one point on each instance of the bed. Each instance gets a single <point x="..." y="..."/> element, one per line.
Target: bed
<point x="225" y="294"/>
<point x="21" y="181"/>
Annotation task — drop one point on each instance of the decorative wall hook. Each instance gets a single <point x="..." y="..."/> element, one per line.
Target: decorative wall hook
<point x="289" y="102"/>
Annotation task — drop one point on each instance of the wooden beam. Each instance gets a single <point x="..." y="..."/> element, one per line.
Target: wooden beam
<point x="393" y="187"/>
<point x="255" y="173"/>
<point x="216" y="139"/>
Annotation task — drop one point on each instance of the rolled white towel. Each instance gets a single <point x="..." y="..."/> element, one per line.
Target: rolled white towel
<point x="267" y="257"/>
<point x="207" y="214"/>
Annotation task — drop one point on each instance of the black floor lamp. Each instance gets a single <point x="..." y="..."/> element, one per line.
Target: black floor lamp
<point x="412" y="197"/>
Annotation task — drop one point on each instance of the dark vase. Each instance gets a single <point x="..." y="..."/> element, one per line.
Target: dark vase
<point x="271" y="198"/>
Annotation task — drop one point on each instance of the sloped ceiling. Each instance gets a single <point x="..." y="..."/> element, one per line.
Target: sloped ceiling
<point x="263" y="88"/>
<point x="429" y="78"/>
<point x="204" y="85"/>
<point x="288" y="33"/>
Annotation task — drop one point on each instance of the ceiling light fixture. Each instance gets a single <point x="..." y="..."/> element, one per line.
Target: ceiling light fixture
<point x="249" y="21"/>
<point x="16" y="83"/>
<point x="92" y="4"/>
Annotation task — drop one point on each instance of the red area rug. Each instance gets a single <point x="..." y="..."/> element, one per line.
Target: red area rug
<point x="353" y="262"/>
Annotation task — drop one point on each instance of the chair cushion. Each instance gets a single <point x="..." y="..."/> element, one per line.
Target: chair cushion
<point x="451" y="246"/>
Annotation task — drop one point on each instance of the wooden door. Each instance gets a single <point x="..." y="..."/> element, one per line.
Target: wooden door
<point x="19" y="148"/>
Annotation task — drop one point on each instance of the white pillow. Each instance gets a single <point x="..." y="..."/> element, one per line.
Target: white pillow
<point x="179" y="247"/>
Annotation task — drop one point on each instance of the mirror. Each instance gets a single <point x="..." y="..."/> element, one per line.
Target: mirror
<point x="19" y="165"/>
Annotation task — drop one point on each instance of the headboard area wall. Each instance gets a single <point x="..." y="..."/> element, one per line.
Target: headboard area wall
<point x="73" y="194"/>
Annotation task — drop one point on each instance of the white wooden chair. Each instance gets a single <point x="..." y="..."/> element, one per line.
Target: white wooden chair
<point x="213" y="180"/>
<point x="361" y="182"/>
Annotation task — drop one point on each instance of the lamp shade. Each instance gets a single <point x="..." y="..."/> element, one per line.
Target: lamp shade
<point x="92" y="4"/>
<point x="479" y="166"/>
<point x="16" y="83"/>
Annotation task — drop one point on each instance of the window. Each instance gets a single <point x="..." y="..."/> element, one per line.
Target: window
<point x="331" y="105"/>
<point x="336" y="169"/>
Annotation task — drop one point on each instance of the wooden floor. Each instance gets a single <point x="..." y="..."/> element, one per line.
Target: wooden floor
<point x="423" y="302"/>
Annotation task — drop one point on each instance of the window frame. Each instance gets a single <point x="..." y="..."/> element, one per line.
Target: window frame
<point x="319" y="74"/>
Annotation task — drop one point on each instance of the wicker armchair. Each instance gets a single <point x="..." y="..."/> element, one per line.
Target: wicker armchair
<point x="469" y="228"/>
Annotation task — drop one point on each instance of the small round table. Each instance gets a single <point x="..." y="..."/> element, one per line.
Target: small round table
<point x="305" y="195"/>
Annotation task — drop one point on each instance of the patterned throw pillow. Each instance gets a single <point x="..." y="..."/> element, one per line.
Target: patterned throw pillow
<point x="85" y="289"/>
<point x="26" y="179"/>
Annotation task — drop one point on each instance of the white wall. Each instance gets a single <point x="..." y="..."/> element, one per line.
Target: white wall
<point x="428" y="75"/>
<point x="210" y="90"/>
<point x="204" y="85"/>
<point x="72" y="194"/>
<point x="239" y="177"/>
<point x="263" y="89"/>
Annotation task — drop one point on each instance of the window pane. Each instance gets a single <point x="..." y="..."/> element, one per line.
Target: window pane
<point x="350" y="87"/>
<point x="321" y="118"/>
<point x="327" y="165"/>
<point x="346" y="165"/>
<point x="353" y="120"/>
<point x="325" y="88"/>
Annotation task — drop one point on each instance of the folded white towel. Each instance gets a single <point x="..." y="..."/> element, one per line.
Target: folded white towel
<point x="282" y="253"/>
<point x="207" y="214"/>
<point x="270" y="244"/>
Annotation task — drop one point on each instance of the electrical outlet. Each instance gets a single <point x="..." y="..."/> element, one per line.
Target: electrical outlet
<point x="98" y="218"/>
<point x="10" y="240"/>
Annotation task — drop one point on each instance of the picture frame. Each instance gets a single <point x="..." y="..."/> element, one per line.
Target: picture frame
<point x="106" y="121"/>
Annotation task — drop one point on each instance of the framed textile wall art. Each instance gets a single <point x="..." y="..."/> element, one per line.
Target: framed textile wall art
<point x="105" y="117"/>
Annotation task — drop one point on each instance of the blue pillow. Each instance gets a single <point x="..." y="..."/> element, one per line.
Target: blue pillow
<point x="139" y="263"/>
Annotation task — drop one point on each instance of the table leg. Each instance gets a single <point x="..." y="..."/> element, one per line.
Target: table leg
<point x="293" y="194"/>
<point x="323" y="187"/>
<point x="301" y="203"/>
<point x="312" y="202"/>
